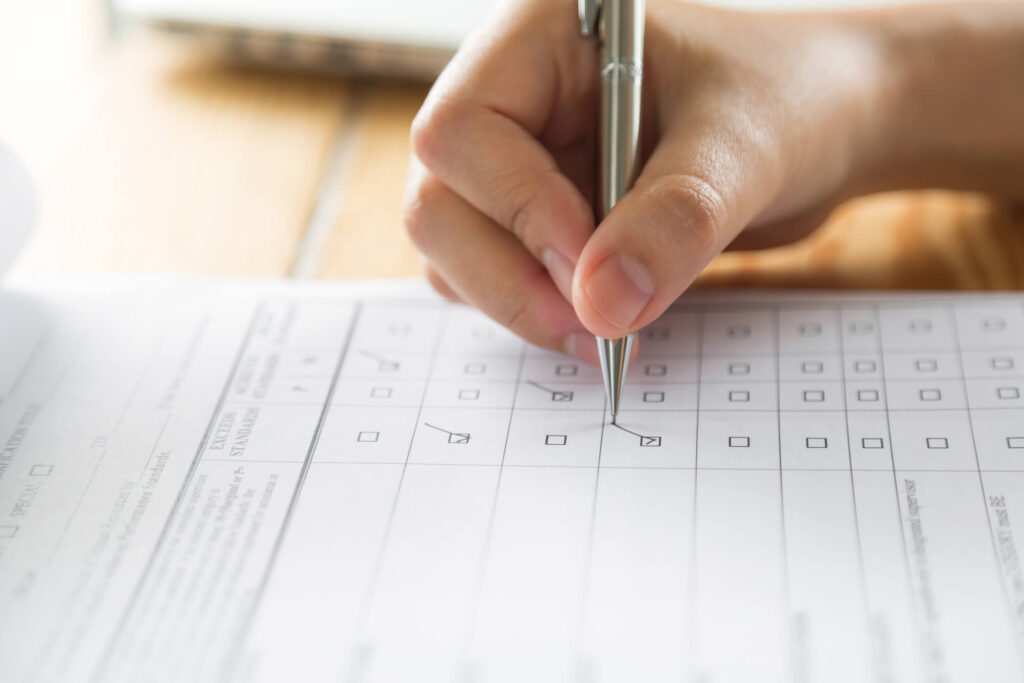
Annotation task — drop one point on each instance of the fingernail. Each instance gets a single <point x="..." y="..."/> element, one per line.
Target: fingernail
<point x="581" y="345"/>
<point x="619" y="289"/>
<point x="560" y="269"/>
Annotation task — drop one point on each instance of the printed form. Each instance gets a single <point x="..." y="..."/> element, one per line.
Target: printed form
<point x="214" y="481"/>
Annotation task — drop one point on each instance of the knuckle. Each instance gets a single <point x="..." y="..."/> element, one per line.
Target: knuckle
<point x="693" y="204"/>
<point x="420" y="207"/>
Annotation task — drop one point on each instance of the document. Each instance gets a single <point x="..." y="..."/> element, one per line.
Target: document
<point x="264" y="482"/>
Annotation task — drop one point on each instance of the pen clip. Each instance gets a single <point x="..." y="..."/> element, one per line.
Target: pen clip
<point x="589" y="13"/>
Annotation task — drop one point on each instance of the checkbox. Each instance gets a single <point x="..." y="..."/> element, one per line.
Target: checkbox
<point x="388" y="366"/>
<point x="930" y="394"/>
<point x="1011" y="393"/>
<point x="41" y="470"/>
<point x="862" y="327"/>
<point x="566" y="369"/>
<point x="867" y="395"/>
<point x="368" y="437"/>
<point x="739" y="396"/>
<point x="738" y="332"/>
<point x="469" y="394"/>
<point x="814" y="396"/>
<point x="458" y="438"/>
<point x="8" y="530"/>
<point x="739" y="442"/>
<point x="809" y="329"/>
<point x="816" y="442"/>
<point x="654" y="397"/>
<point x="920" y="326"/>
<point x="555" y="440"/>
<point x="650" y="442"/>
<point x="993" y="324"/>
<point x="561" y="396"/>
<point x="873" y="442"/>
<point x="926" y="365"/>
<point x="655" y="370"/>
<point x="865" y="366"/>
<point x="1002" y="363"/>
<point x="812" y="367"/>
<point x="937" y="442"/>
<point x="380" y="392"/>
<point x="657" y="333"/>
<point x="1015" y="442"/>
<point x="739" y="368"/>
<point x="474" y="368"/>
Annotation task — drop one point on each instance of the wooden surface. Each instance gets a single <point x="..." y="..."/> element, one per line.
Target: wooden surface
<point x="148" y="156"/>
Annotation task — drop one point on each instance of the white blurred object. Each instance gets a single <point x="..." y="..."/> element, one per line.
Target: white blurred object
<point x="17" y="207"/>
<point x="409" y="38"/>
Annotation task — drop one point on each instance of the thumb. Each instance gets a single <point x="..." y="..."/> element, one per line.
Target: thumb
<point x="656" y="240"/>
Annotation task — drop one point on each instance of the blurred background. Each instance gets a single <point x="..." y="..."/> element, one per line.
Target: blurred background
<point x="269" y="138"/>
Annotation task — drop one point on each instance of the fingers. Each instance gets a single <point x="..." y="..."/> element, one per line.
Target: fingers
<point x="479" y="131"/>
<point x="485" y="266"/>
<point x="695" y="194"/>
<point x="440" y="285"/>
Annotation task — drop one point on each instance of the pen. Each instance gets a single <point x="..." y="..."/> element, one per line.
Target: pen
<point x="619" y="27"/>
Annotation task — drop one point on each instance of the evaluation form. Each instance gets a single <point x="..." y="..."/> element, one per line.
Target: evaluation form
<point x="220" y="481"/>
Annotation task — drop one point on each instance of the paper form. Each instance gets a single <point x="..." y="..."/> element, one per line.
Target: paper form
<point x="209" y="481"/>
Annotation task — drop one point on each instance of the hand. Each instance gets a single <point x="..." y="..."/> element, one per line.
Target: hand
<point x="755" y="127"/>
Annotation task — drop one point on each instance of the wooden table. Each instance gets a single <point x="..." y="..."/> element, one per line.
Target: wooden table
<point x="151" y="157"/>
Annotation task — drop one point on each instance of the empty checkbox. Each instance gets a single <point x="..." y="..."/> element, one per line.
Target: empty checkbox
<point x="930" y="394"/>
<point x="1015" y="442"/>
<point x="1010" y="393"/>
<point x="655" y="370"/>
<point x="380" y="392"/>
<point x="567" y="369"/>
<point x="814" y="396"/>
<point x="937" y="442"/>
<point x="739" y="396"/>
<point x="650" y="442"/>
<point x="816" y="442"/>
<point x="8" y="531"/>
<point x="739" y="369"/>
<point x="926" y="365"/>
<point x="368" y="437"/>
<point x="561" y="396"/>
<point x="469" y="394"/>
<point x="1002" y="363"/>
<point x="867" y="395"/>
<point x="388" y="366"/>
<point x="812" y="367"/>
<point x="865" y="366"/>
<point x="41" y="470"/>
<point x="738" y="331"/>
<point x="872" y="442"/>
<point x="654" y="397"/>
<point x="475" y="369"/>
<point x="739" y="442"/>
<point x="555" y="440"/>
<point x="457" y="438"/>
<point x="810" y="329"/>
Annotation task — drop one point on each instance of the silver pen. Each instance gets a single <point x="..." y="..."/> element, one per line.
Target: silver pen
<point x="619" y="27"/>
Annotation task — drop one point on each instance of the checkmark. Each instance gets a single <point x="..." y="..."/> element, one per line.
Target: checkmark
<point x="561" y="395"/>
<point x="458" y="438"/>
<point x="650" y="441"/>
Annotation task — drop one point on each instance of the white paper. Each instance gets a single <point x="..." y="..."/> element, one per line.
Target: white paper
<point x="17" y="207"/>
<point x="208" y="481"/>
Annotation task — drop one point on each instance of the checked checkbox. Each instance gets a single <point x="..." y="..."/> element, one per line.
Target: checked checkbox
<point x="458" y="438"/>
<point x="561" y="396"/>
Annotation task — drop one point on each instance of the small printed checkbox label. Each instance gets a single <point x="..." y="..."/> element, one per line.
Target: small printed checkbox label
<point x="812" y="367"/>
<point x="865" y="366"/>
<point x="921" y="326"/>
<point x="1008" y="393"/>
<point x="816" y="442"/>
<point x="561" y="396"/>
<point x="650" y="442"/>
<point x="926" y="365"/>
<point x="458" y="438"/>
<point x="930" y="394"/>
<point x="993" y="324"/>
<point x="867" y="395"/>
<point x="655" y="370"/>
<point x="368" y="437"/>
<point x="567" y="370"/>
<point x="872" y="442"/>
<point x="380" y="392"/>
<point x="556" y="440"/>
<point x="862" y="327"/>
<point x="657" y="333"/>
<point x="388" y="366"/>
<point x="738" y="331"/>
<point x="474" y="368"/>
<point x="8" y="531"/>
<point x="739" y="369"/>
<point x="814" y="396"/>
<point x="937" y="442"/>
<point x="654" y="397"/>
<point x="41" y="470"/>
<point x="739" y="396"/>
<point x="1002" y="363"/>
<point x="739" y="442"/>
<point x="1015" y="442"/>
<point x="469" y="394"/>
<point x="809" y="329"/>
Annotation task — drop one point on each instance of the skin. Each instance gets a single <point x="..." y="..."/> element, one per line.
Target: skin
<point x="755" y="127"/>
